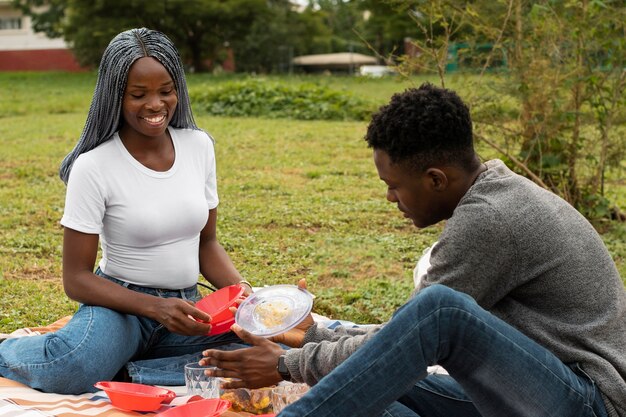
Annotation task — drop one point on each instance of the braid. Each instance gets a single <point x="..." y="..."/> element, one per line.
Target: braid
<point x="104" y="119"/>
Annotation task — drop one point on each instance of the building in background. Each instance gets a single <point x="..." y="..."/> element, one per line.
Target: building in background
<point x="21" y="49"/>
<point x="342" y="62"/>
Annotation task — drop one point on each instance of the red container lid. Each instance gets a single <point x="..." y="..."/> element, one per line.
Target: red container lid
<point x="210" y="407"/>
<point x="136" y="397"/>
<point x="217" y="304"/>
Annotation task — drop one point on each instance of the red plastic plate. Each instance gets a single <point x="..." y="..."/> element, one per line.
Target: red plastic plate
<point x="136" y="397"/>
<point x="210" y="407"/>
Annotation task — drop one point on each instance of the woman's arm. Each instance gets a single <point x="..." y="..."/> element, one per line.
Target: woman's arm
<point x="215" y="264"/>
<point x="81" y="284"/>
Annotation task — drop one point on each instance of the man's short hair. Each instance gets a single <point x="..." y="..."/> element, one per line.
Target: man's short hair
<point x="423" y="127"/>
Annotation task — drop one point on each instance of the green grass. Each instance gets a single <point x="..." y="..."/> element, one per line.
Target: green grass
<point x="298" y="199"/>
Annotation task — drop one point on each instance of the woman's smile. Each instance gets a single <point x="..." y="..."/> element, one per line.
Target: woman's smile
<point x="156" y="120"/>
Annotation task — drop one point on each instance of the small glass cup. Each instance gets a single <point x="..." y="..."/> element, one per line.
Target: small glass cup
<point x="287" y="393"/>
<point x="198" y="383"/>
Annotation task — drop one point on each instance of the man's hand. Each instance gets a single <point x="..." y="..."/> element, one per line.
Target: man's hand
<point x="254" y="367"/>
<point x="295" y="337"/>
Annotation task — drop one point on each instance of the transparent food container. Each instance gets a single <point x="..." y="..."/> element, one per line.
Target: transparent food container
<point x="286" y="393"/>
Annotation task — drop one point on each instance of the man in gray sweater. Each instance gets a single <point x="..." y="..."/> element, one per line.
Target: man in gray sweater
<point x="522" y="303"/>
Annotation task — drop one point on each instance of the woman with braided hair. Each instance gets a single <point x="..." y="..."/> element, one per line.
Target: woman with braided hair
<point x="141" y="182"/>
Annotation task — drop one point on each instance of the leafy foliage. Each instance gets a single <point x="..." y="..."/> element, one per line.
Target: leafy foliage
<point x="262" y="98"/>
<point x="264" y="35"/>
<point x="277" y="36"/>
<point x="562" y="113"/>
<point x="202" y="30"/>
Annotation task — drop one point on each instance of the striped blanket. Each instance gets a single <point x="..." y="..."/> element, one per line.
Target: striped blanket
<point x="17" y="400"/>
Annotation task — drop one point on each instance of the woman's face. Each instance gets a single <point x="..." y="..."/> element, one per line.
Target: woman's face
<point x="150" y="100"/>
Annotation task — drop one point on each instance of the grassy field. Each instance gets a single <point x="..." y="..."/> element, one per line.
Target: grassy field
<point x="298" y="199"/>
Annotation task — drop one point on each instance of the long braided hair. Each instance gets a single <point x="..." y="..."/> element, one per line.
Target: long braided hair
<point x="104" y="119"/>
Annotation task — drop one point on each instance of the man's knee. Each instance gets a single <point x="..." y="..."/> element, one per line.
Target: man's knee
<point x="439" y="296"/>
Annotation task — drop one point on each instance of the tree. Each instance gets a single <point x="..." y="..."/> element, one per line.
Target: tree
<point x="386" y="25"/>
<point x="557" y="114"/>
<point x="366" y="26"/>
<point x="282" y="33"/>
<point x="201" y="29"/>
<point x="47" y="15"/>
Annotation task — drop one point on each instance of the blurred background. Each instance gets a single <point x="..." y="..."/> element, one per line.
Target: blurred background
<point x="261" y="36"/>
<point x="553" y="67"/>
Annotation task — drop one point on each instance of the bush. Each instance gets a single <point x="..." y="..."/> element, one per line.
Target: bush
<point x="262" y="98"/>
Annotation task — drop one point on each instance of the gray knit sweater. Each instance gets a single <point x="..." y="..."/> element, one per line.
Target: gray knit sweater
<point x="531" y="259"/>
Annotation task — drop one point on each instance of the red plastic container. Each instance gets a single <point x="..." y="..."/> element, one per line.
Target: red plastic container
<point x="217" y="304"/>
<point x="135" y="397"/>
<point x="221" y="327"/>
<point x="210" y="407"/>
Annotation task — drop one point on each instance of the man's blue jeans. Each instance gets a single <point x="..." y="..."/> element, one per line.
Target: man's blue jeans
<point x="495" y="370"/>
<point x="96" y="344"/>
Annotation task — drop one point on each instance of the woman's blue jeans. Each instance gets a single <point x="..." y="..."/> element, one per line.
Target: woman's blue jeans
<point x="495" y="370"/>
<point x="96" y="344"/>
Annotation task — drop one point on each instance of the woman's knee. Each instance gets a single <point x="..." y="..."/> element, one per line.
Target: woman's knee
<point x="90" y="348"/>
<point x="73" y="378"/>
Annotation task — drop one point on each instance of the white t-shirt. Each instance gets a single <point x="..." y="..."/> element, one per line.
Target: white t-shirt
<point x="149" y="222"/>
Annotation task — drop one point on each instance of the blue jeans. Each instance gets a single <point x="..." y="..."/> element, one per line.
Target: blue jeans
<point x="495" y="370"/>
<point x="169" y="370"/>
<point x="96" y="344"/>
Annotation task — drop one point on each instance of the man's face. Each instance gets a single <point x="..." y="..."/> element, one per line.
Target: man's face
<point x="416" y="194"/>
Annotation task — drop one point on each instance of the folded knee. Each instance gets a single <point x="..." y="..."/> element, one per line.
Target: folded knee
<point x="439" y="296"/>
<point x="63" y="380"/>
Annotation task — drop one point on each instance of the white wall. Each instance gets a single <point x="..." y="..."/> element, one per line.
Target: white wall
<point x="24" y="39"/>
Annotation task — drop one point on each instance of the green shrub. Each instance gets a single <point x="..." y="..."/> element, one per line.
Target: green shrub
<point x="262" y="98"/>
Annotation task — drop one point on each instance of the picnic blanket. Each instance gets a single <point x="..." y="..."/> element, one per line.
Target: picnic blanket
<point x="34" y="331"/>
<point x="18" y="400"/>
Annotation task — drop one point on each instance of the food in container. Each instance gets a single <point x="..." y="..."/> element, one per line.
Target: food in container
<point x="273" y="310"/>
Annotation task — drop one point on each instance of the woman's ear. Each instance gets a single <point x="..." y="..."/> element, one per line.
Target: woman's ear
<point x="437" y="179"/>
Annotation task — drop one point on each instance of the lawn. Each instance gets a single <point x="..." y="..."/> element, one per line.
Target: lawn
<point x="299" y="199"/>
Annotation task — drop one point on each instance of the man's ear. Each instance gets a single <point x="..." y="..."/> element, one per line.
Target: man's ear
<point x="437" y="179"/>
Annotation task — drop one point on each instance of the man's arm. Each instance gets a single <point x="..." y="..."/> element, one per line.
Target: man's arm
<point x="256" y="366"/>
<point x="324" y="350"/>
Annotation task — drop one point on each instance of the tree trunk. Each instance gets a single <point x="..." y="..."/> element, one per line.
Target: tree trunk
<point x="528" y="132"/>
<point x="578" y="91"/>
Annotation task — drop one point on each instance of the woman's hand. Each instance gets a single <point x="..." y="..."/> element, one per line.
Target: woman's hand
<point x="254" y="367"/>
<point x="181" y="316"/>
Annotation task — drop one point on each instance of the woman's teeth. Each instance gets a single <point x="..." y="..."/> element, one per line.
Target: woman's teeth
<point x="155" y="120"/>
